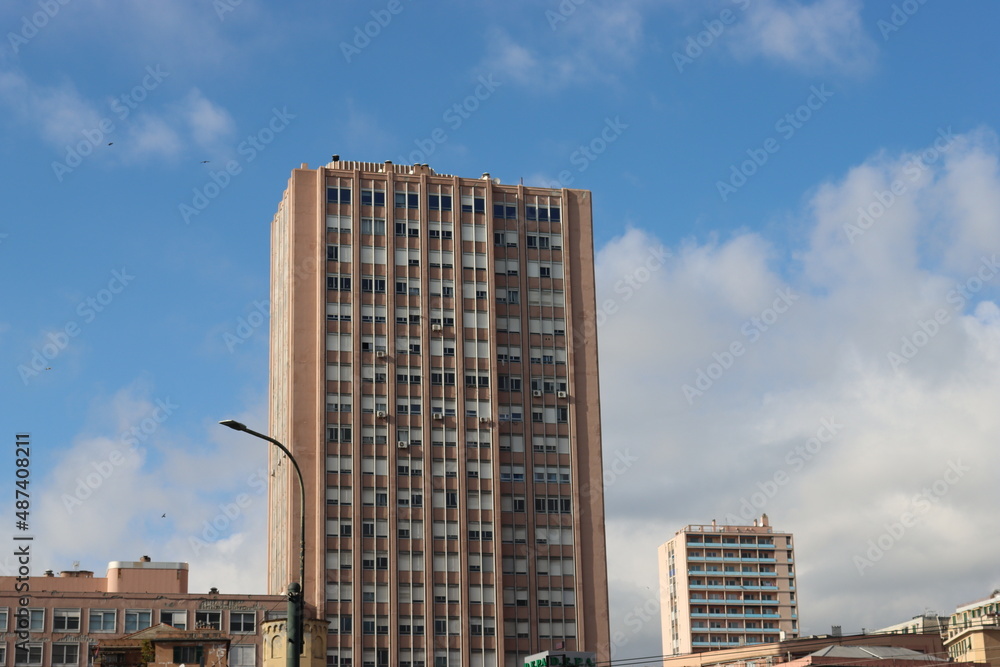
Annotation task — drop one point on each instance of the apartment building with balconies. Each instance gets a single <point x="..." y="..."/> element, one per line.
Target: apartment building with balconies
<point x="726" y="586"/>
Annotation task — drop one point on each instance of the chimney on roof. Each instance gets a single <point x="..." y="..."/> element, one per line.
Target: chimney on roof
<point x="763" y="520"/>
<point x="145" y="559"/>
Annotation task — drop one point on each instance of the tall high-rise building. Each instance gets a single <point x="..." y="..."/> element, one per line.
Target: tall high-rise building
<point x="434" y="371"/>
<point x="726" y="586"/>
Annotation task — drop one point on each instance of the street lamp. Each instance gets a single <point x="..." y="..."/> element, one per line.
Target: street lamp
<point x="296" y="603"/>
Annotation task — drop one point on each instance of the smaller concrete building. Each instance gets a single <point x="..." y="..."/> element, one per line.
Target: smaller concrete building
<point x="163" y="645"/>
<point x="927" y="622"/>
<point x="784" y="652"/>
<point x="974" y="631"/>
<point x="70" y="615"/>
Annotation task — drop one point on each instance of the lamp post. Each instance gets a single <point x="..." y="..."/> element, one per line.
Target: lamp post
<point x="296" y="602"/>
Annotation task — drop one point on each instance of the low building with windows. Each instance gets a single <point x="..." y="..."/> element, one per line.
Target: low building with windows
<point x="974" y="631"/>
<point x="69" y="614"/>
<point x="926" y="622"/>
<point x="920" y="650"/>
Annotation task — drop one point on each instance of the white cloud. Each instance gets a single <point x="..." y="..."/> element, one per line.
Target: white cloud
<point x="210" y="124"/>
<point x="821" y="35"/>
<point x="590" y="45"/>
<point x="59" y="111"/>
<point x="913" y="433"/>
<point x="140" y="127"/>
<point x="130" y="467"/>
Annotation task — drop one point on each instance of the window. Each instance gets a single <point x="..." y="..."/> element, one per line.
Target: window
<point x="188" y="654"/>
<point x="27" y="654"/>
<point x="373" y="197"/>
<point x="409" y="228"/>
<point x="177" y="619"/>
<point x="340" y="282"/>
<point x="375" y="226"/>
<point x="335" y="196"/>
<point x="208" y="619"/>
<point x="338" y="253"/>
<point x="544" y="213"/>
<point x="552" y="505"/>
<point x="372" y="284"/>
<point x="505" y="210"/>
<point x="102" y="620"/>
<point x="242" y="622"/>
<point x="66" y="620"/>
<point x="439" y="202"/>
<point x="473" y="204"/>
<point x="409" y="286"/>
<point x="136" y="620"/>
<point x="65" y="654"/>
<point x="407" y="200"/>
<point x="242" y="656"/>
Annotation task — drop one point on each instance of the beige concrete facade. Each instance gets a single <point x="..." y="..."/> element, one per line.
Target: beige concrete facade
<point x="928" y="622"/>
<point x="726" y="586"/>
<point x="434" y="371"/>
<point x="974" y="631"/>
<point x="68" y="614"/>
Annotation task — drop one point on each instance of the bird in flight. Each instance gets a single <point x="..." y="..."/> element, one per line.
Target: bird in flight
<point x="164" y="516"/>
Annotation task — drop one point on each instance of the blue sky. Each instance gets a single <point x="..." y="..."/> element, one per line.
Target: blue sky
<point x="745" y="139"/>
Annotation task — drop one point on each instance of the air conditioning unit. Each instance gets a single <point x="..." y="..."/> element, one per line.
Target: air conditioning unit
<point x="561" y="394"/>
<point x="484" y="420"/>
<point x="402" y="444"/>
<point x="537" y="393"/>
<point x="438" y="415"/>
<point x="381" y="414"/>
<point x="379" y="354"/>
<point x="435" y="327"/>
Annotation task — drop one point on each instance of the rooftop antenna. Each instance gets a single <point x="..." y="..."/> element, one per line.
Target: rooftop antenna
<point x="76" y="565"/>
